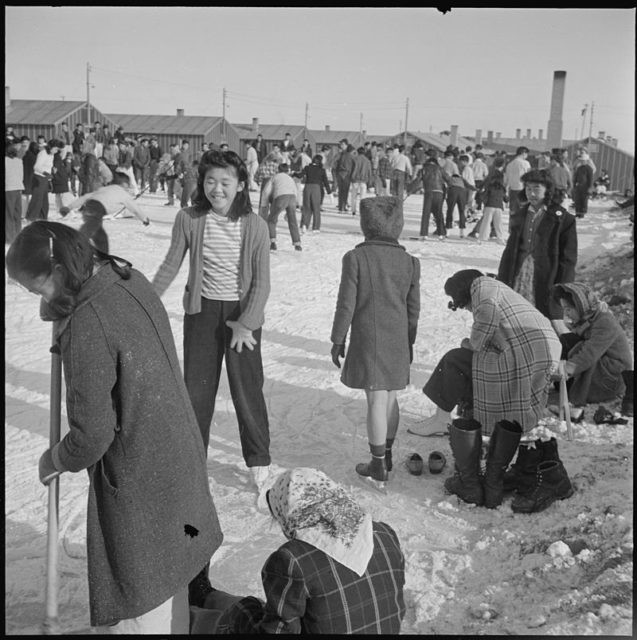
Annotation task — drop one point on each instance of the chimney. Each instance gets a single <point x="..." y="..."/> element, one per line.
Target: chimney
<point x="327" y="127"/>
<point x="364" y="134"/>
<point x="180" y="112"/>
<point x="498" y="135"/>
<point x="540" y="134"/>
<point x="7" y="98"/>
<point x="554" y="130"/>
<point x="517" y="133"/>
<point x="478" y="136"/>
<point x="255" y="125"/>
<point x="489" y="137"/>
<point x="614" y="142"/>
<point x="528" y="134"/>
<point x="601" y="134"/>
<point x="453" y="136"/>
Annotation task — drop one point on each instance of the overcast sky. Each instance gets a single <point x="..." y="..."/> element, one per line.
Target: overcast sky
<point x="489" y="69"/>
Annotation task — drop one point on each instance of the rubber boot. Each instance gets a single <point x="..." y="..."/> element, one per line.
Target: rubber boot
<point x="627" y="400"/>
<point x="502" y="447"/>
<point x="465" y="438"/>
<point x="199" y="587"/>
<point x="552" y="483"/>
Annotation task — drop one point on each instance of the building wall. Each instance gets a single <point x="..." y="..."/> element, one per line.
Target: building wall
<point x="619" y="164"/>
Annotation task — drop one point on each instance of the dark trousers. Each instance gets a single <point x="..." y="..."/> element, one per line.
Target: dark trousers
<point x="514" y="201"/>
<point x="92" y="228"/>
<point x="343" y="190"/>
<point x="451" y="382"/>
<point x="285" y="203"/>
<point x="478" y="199"/>
<point x="580" y="199"/>
<point x="141" y="175"/>
<point x="456" y="196"/>
<point x="152" y="175"/>
<point x="206" y="343"/>
<point x="187" y="191"/>
<point x="13" y="215"/>
<point x="38" y="208"/>
<point x="397" y="185"/>
<point x="432" y="203"/>
<point x="312" y="196"/>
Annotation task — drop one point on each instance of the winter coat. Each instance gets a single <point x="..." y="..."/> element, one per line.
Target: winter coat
<point x="432" y="177"/>
<point x="379" y="296"/>
<point x="554" y="251"/>
<point x="313" y="174"/>
<point x="514" y="351"/>
<point x="60" y="175"/>
<point x="362" y="171"/>
<point x="493" y="191"/>
<point x="603" y="353"/>
<point x="28" y="162"/>
<point x="583" y="177"/>
<point x="344" y="164"/>
<point x="90" y="173"/>
<point x="151" y="521"/>
<point x="561" y="177"/>
<point x="141" y="156"/>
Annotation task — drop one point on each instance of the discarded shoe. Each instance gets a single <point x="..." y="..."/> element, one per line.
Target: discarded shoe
<point x="603" y="416"/>
<point x="552" y="484"/>
<point x="437" y="462"/>
<point x="414" y="464"/>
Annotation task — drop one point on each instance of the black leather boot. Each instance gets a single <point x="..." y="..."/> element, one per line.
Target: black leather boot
<point x="502" y="447"/>
<point x="552" y="483"/>
<point x="465" y="438"/>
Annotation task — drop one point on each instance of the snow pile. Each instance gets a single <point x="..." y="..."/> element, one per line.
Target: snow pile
<point x="469" y="570"/>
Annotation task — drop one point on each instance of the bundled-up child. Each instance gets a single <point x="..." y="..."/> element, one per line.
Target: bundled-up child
<point x="597" y="352"/>
<point x="379" y="298"/>
<point x="493" y="196"/>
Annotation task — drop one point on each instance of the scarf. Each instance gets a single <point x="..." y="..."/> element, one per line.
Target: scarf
<point x="311" y="507"/>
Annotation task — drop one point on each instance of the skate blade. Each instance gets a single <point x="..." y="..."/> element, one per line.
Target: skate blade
<point x="377" y="485"/>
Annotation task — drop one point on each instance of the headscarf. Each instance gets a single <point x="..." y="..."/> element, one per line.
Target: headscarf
<point x="586" y="301"/>
<point x="311" y="507"/>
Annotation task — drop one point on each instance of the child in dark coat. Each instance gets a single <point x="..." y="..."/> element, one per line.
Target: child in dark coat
<point x="379" y="297"/>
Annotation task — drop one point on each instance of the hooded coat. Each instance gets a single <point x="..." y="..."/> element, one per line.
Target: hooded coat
<point x="151" y="521"/>
<point x="514" y="352"/>
<point x="554" y="252"/>
<point x="603" y="353"/>
<point x="379" y="296"/>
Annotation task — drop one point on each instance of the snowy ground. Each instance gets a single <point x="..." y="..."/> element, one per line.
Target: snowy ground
<point x="469" y="570"/>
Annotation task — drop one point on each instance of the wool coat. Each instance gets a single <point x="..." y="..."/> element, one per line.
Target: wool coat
<point x="554" y="252"/>
<point x="601" y="356"/>
<point x="151" y="521"/>
<point x="379" y="297"/>
<point x="514" y="352"/>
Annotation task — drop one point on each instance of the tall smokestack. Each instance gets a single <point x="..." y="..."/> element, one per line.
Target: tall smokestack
<point x="540" y="134"/>
<point x="517" y="133"/>
<point x="478" y="136"/>
<point x="528" y="133"/>
<point x="554" y="129"/>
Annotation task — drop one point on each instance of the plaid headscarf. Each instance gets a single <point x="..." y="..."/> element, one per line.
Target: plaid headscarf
<point x="311" y="507"/>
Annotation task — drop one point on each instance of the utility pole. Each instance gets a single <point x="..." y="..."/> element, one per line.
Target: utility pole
<point x="406" y="118"/>
<point x="590" y="124"/>
<point x="581" y="133"/>
<point x="88" y="93"/>
<point x="307" y="106"/>
<point x="360" y="125"/>
<point x="223" y="116"/>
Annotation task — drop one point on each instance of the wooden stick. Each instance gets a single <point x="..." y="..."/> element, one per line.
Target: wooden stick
<point x="565" y="410"/>
<point x="50" y="625"/>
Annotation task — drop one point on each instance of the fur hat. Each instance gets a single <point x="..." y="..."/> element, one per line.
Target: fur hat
<point x="382" y="216"/>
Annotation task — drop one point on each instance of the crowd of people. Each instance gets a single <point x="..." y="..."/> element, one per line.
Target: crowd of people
<point x="141" y="426"/>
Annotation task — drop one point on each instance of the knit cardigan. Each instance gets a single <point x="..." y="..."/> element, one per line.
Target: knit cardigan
<point x="254" y="264"/>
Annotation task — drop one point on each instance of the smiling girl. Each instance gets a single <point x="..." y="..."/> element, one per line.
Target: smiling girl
<point x="226" y="292"/>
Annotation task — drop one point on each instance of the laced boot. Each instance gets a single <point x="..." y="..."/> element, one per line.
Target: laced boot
<point x="521" y="476"/>
<point x="465" y="438"/>
<point x="552" y="483"/>
<point x="502" y="447"/>
<point x="627" y="400"/>
<point x="374" y="472"/>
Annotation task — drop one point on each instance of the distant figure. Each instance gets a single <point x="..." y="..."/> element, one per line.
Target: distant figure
<point x="316" y="182"/>
<point x="513" y="173"/>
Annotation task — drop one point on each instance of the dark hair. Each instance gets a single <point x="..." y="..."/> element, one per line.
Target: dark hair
<point x="521" y="150"/>
<point x="459" y="287"/>
<point x="318" y="160"/>
<point x="325" y="147"/>
<point x="241" y="205"/>
<point x="540" y="176"/>
<point x="42" y="245"/>
<point x="95" y="207"/>
<point x="120" y="177"/>
<point x="360" y="150"/>
<point x="9" y="149"/>
<point x="283" y="167"/>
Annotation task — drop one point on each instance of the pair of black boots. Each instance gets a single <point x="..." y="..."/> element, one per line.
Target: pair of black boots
<point x="538" y="479"/>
